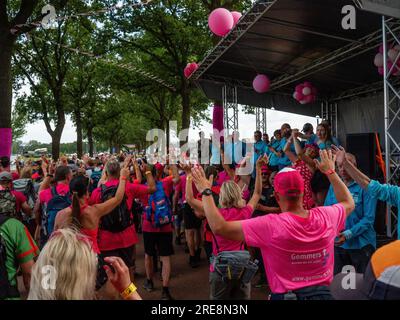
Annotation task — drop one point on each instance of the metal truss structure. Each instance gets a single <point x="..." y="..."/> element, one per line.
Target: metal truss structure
<point x="392" y="117"/>
<point x="245" y="23"/>
<point x="261" y="119"/>
<point x="231" y="109"/>
<point x="335" y="57"/>
<point x="329" y="111"/>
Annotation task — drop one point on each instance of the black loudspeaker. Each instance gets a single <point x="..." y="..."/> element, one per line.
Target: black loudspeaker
<point x="363" y="146"/>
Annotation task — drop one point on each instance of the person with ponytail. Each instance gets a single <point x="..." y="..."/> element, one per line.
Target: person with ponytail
<point x="84" y="216"/>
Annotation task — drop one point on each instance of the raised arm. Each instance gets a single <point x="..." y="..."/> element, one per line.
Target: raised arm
<point x="229" y="229"/>
<point x="138" y="173"/>
<point x="351" y="170"/>
<point x="292" y="157"/>
<point x="110" y="204"/>
<point x="342" y="193"/>
<point x="196" y="204"/>
<point x="258" y="184"/>
<point x="300" y="151"/>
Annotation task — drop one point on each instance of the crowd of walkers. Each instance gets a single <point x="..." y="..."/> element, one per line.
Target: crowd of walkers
<point x="303" y="214"/>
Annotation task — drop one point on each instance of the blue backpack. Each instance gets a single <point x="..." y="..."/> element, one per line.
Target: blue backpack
<point x="159" y="212"/>
<point x="95" y="178"/>
<point x="56" y="204"/>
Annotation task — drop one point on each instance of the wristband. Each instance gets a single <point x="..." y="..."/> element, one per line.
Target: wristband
<point x="49" y="175"/>
<point x="329" y="172"/>
<point x="147" y="172"/>
<point x="124" y="178"/>
<point x="128" y="291"/>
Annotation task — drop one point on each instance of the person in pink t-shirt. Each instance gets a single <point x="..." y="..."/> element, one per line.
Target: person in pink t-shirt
<point x="232" y="208"/>
<point x="121" y="244"/>
<point x="297" y="245"/>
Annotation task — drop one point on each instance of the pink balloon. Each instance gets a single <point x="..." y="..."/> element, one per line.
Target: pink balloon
<point x="261" y="83"/>
<point x="300" y="88"/>
<point x="295" y="95"/>
<point x="220" y="22"/>
<point x="190" y="68"/>
<point x="308" y="99"/>
<point x="307" y="84"/>
<point x="300" y="96"/>
<point x="378" y="61"/>
<point x="236" y="17"/>
<point x="306" y="91"/>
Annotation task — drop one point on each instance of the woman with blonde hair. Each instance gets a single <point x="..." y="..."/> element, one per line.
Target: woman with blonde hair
<point x="67" y="266"/>
<point x="230" y="267"/>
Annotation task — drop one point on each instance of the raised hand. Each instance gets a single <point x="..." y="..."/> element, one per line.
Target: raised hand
<point x="200" y="180"/>
<point x="340" y="154"/>
<point x="120" y="278"/>
<point x="327" y="162"/>
<point x="262" y="161"/>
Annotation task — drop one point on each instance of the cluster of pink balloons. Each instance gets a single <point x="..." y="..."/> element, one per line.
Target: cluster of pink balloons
<point x="305" y="93"/>
<point x="392" y="55"/>
<point x="261" y="83"/>
<point x="190" y="68"/>
<point x="221" y="21"/>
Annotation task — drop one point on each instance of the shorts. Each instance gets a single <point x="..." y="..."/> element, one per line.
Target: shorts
<point x="158" y="243"/>
<point x="126" y="254"/>
<point x="190" y="219"/>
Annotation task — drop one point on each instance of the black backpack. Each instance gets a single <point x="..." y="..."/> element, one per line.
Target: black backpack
<point x="120" y="218"/>
<point x="6" y="289"/>
<point x="27" y="188"/>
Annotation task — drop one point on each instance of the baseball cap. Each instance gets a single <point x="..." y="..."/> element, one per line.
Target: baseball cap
<point x="288" y="182"/>
<point x="381" y="280"/>
<point x="307" y="127"/>
<point x="159" y="166"/>
<point x="265" y="169"/>
<point x="5" y="176"/>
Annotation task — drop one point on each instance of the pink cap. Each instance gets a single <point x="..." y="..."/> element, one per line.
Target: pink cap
<point x="35" y="176"/>
<point x="159" y="166"/>
<point x="288" y="182"/>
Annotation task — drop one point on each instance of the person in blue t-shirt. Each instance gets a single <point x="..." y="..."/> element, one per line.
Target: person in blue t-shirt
<point x="235" y="150"/>
<point x="308" y="134"/>
<point x="357" y="242"/>
<point x="259" y="148"/>
<point x="384" y="192"/>
<point x="284" y="161"/>
<point x="272" y="151"/>
<point x="324" y="136"/>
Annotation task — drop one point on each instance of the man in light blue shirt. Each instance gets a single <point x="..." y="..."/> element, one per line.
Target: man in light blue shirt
<point x="235" y="151"/>
<point x="284" y="161"/>
<point x="384" y="192"/>
<point x="357" y="242"/>
<point x="274" y="153"/>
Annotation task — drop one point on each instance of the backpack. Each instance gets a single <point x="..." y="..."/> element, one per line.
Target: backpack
<point x="95" y="178"/>
<point x="120" y="218"/>
<point x="8" y="203"/>
<point x="26" y="187"/>
<point x="159" y="212"/>
<point x="6" y="289"/>
<point x="55" y="205"/>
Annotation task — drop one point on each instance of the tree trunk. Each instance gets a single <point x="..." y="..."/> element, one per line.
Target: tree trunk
<point x="79" y="136"/>
<point x="167" y="129"/>
<point x="90" y="140"/>
<point x="185" y="94"/>
<point x="5" y="95"/>
<point x="55" y="144"/>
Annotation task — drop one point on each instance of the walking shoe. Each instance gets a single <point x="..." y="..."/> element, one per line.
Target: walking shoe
<point x="194" y="263"/>
<point x="166" y="295"/>
<point x="198" y="254"/>
<point x="148" y="285"/>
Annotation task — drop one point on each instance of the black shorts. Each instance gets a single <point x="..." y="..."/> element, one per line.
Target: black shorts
<point x="125" y="254"/>
<point x="159" y="243"/>
<point x="190" y="219"/>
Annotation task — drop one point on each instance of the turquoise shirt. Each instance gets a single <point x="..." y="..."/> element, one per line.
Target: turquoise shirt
<point x="360" y="230"/>
<point x="387" y="193"/>
<point x="274" y="159"/>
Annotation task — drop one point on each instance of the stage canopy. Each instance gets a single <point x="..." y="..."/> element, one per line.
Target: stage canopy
<point x="293" y="41"/>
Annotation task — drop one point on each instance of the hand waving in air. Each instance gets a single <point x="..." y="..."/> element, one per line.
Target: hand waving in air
<point x="327" y="162"/>
<point x="200" y="180"/>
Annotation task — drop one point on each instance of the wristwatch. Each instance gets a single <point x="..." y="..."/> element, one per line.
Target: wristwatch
<point x="207" y="192"/>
